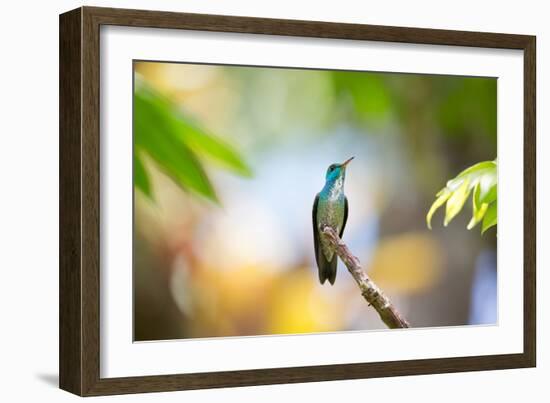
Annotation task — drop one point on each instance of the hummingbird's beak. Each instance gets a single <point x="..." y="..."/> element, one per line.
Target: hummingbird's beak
<point x="346" y="162"/>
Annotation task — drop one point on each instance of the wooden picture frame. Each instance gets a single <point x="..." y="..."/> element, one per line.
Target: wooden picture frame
<point x="79" y="347"/>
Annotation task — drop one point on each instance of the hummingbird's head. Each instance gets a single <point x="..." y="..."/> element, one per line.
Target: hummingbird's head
<point x="336" y="171"/>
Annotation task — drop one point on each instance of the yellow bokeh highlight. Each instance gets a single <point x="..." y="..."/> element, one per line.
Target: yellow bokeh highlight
<point x="408" y="263"/>
<point x="299" y="306"/>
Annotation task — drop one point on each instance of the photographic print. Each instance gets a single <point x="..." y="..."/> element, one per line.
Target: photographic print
<point x="275" y="201"/>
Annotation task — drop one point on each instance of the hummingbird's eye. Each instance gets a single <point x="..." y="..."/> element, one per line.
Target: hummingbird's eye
<point x="331" y="168"/>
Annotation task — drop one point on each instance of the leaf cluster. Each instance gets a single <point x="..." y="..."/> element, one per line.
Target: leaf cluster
<point x="178" y="145"/>
<point x="479" y="180"/>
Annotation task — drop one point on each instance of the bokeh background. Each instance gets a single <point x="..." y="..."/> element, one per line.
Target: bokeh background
<point x="228" y="160"/>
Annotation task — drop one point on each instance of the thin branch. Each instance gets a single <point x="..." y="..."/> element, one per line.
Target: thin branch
<point x="370" y="291"/>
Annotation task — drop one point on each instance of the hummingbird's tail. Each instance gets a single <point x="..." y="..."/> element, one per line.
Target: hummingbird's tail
<point x="327" y="269"/>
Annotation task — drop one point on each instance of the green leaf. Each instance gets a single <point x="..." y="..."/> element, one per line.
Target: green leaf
<point x="478" y="209"/>
<point x="201" y="142"/>
<point x="157" y="120"/>
<point x="155" y="135"/>
<point x="141" y="180"/>
<point x="479" y="179"/>
<point x="456" y="201"/>
<point x="478" y="169"/>
<point x="195" y="137"/>
<point x="490" y="218"/>
<point x="488" y="188"/>
<point x="442" y="197"/>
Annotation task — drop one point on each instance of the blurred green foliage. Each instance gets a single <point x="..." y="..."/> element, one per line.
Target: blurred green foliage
<point x="459" y="113"/>
<point x="175" y="142"/>
<point x="480" y="180"/>
<point x="375" y="97"/>
<point x="369" y="93"/>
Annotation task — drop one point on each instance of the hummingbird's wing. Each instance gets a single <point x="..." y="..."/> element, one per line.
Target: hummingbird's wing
<point x="316" y="233"/>
<point x="327" y="269"/>
<point x="345" y="217"/>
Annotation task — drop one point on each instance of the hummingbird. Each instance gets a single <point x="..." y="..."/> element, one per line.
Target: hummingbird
<point x="330" y="208"/>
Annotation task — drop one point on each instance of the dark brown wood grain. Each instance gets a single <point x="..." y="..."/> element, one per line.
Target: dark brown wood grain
<point x="530" y="203"/>
<point x="90" y="202"/>
<point x="80" y="200"/>
<point x="70" y="185"/>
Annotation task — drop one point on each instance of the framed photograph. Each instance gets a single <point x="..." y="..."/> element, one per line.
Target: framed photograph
<point x="249" y="201"/>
